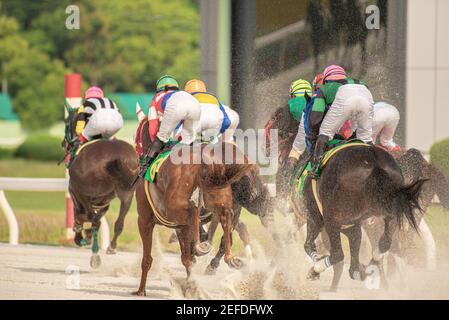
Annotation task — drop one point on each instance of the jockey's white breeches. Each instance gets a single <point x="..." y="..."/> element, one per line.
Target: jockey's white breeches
<point x="385" y="122"/>
<point x="105" y="122"/>
<point x="211" y="121"/>
<point x="181" y="107"/>
<point x="352" y="102"/>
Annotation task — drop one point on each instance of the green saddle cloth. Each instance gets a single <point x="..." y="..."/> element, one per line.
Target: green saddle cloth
<point x="154" y="167"/>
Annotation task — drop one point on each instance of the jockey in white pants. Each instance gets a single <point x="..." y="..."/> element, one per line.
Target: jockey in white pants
<point x="170" y="109"/>
<point x="99" y="116"/>
<point x="385" y="122"/>
<point x="216" y="118"/>
<point x="338" y="100"/>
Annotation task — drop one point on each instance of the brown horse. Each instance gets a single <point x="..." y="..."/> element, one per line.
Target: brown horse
<point x="168" y="202"/>
<point x="101" y="172"/>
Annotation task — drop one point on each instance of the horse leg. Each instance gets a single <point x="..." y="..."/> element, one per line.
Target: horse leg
<point x="146" y="227"/>
<point x="185" y="237"/>
<point x="198" y="248"/>
<point x="335" y="259"/>
<point x="215" y="262"/>
<point x="95" y="260"/>
<point x="212" y="228"/>
<point x="382" y="248"/>
<point x="125" y="204"/>
<point x="226" y="215"/>
<point x="242" y="230"/>
<point x="354" y="235"/>
<point x="313" y="230"/>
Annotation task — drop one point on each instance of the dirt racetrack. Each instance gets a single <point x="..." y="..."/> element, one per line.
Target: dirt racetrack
<point x="43" y="272"/>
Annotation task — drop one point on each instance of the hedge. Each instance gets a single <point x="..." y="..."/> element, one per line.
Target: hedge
<point x="439" y="155"/>
<point x="6" y="153"/>
<point x="40" y="147"/>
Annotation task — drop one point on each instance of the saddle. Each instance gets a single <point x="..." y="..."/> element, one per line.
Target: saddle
<point x="333" y="147"/>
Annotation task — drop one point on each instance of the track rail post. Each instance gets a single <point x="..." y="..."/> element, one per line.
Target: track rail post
<point x="11" y="218"/>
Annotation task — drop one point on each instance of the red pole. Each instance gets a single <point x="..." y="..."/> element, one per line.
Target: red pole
<point x="73" y="98"/>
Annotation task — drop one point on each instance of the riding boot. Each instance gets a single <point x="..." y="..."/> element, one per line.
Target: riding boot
<point x="151" y="155"/>
<point x="320" y="148"/>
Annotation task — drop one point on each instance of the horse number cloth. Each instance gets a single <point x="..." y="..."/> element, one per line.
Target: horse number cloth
<point x="153" y="169"/>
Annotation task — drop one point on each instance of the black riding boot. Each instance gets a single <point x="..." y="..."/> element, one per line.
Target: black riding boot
<point x="320" y="148"/>
<point x="150" y="156"/>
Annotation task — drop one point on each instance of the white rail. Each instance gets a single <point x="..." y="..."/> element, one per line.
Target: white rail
<point x="36" y="184"/>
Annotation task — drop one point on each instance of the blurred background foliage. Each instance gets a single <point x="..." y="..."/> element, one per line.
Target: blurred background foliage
<point x="122" y="46"/>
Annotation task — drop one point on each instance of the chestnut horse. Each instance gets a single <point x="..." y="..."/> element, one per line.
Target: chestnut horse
<point x="102" y="171"/>
<point x="168" y="202"/>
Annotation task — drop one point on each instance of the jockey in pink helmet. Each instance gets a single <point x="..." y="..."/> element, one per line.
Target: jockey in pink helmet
<point x="341" y="98"/>
<point x="94" y="92"/>
<point x="99" y="116"/>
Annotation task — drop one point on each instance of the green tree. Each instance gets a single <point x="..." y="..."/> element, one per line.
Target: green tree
<point x="121" y="46"/>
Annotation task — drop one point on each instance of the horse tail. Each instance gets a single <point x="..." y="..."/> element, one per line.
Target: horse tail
<point x="221" y="175"/>
<point x="122" y="172"/>
<point x="251" y="193"/>
<point x="400" y="200"/>
<point x="217" y="173"/>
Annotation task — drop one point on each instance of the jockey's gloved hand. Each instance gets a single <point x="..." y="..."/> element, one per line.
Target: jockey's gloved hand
<point x="155" y="148"/>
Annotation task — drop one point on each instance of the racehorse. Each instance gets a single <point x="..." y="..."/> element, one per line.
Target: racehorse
<point x="357" y="182"/>
<point x="102" y="171"/>
<point x="250" y="193"/>
<point x="282" y="121"/>
<point x="167" y="201"/>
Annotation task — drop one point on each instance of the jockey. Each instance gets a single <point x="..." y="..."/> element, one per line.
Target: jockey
<point x="300" y="143"/>
<point x="98" y="117"/>
<point x="300" y="91"/>
<point x="216" y="118"/>
<point x="385" y="122"/>
<point x="339" y="99"/>
<point x="301" y="94"/>
<point x="169" y="109"/>
<point x="318" y="82"/>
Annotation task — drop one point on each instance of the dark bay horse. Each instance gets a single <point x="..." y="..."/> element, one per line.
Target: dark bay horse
<point x="102" y="171"/>
<point x="357" y="183"/>
<point x="413" y="165"/>
<point x="172" y="205"/>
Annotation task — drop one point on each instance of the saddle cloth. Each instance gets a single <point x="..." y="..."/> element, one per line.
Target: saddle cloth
<point x="336" y="146"/>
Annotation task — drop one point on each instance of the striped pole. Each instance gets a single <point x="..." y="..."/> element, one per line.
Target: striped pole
<point x="73" y="98"/>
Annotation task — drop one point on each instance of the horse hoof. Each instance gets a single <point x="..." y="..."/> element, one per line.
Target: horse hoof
<point x="356" y="275"/>
<point x="313" y="275"/>
<point x="235" y="263"/>
<point x="210" y="271"/>
<point x="111" y="250"/>
<point x="140" y="293"/>
<point x="203" y="248"/>
<point x="95" y="261"/>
